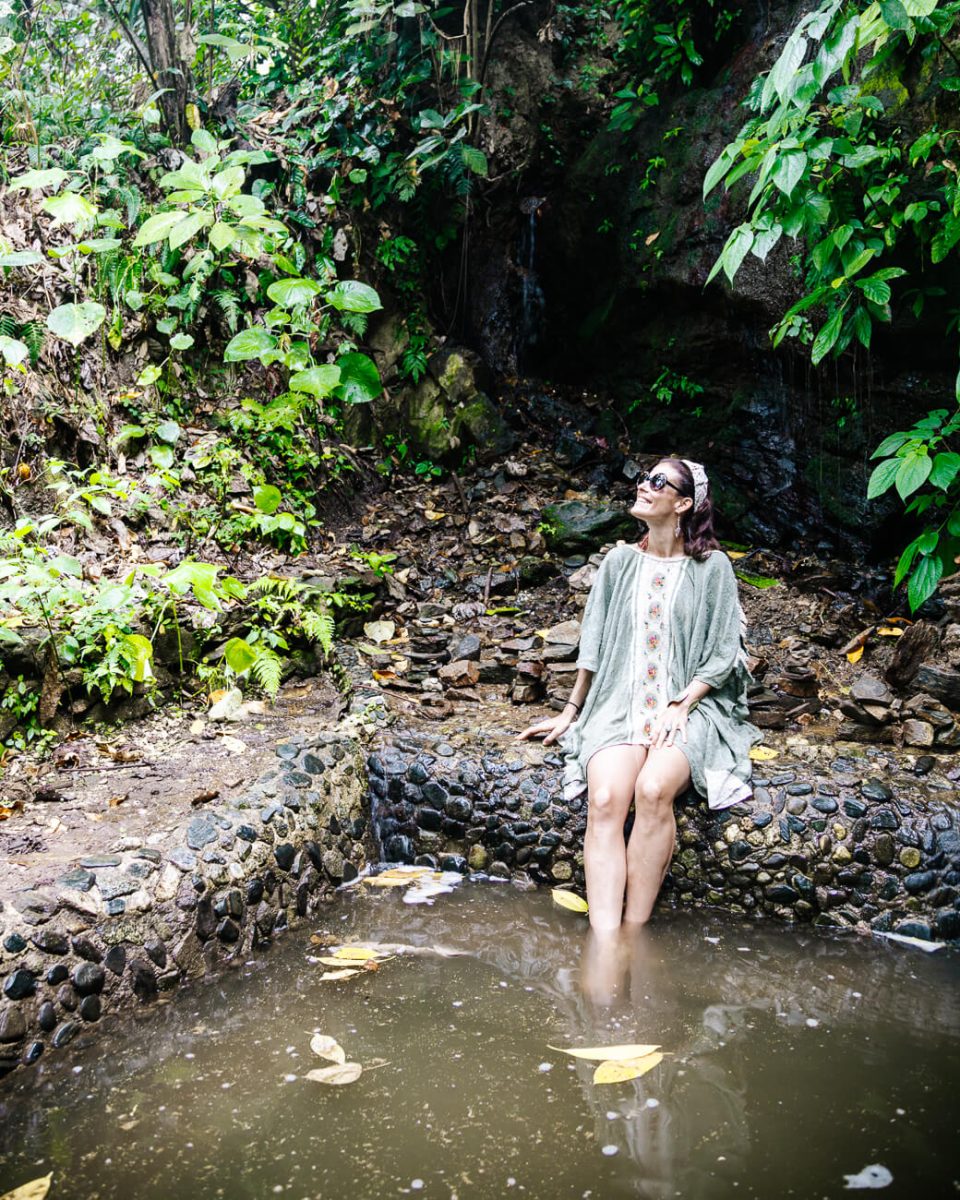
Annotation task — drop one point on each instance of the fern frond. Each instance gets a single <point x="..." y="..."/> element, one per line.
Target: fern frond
<point x="229" y="305"/>
<point x="277" y="585"/>
<point x="355" y="323"/>
<point x="8" y="326"/>
<point x="266" y="670"/>
<point x="33" y="335"/>
<point x="318" y="626"/>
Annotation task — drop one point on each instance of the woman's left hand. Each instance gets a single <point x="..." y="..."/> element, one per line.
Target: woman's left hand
<point x="671" y="724"/>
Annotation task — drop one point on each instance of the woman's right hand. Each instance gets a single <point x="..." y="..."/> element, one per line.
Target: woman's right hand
<point x="550" y="728"/>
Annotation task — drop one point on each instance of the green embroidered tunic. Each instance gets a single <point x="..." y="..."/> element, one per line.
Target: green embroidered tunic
<point x="651" y="627"/>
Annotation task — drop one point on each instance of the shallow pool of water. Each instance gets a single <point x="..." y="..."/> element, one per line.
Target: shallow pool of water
<point x="795" y="1059"/>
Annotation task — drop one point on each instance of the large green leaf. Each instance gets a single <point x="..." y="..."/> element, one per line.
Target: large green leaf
<point x="316" y="381"/>
<point x="239" y="655"/>
<point x="20" y="258"/>
<point x="914" y="469"/>
<point x="359" y="379"/>
<point x="826" y="339"/>
<point x="288" y="293"/>
<point x="946" y="468"/>
<point x="351" y="296"/>
<point x="51" y="177"/>
<point x="924" y="580"/>
<point x="157" y="227"/>
<point x="12" y="351"/>
<point x="75" y="322"/>
<point x="195" y="577"/>
<point x="267" y="498"/>
<point x="191" y="224"/>
<point x="882" y="478"/>
<point x="788" y="170"/>
<point x="69" y="208"/>
<point x="249" y="343"/>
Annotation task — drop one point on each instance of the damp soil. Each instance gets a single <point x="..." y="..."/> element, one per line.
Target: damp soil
<point x="793" y="1059"/>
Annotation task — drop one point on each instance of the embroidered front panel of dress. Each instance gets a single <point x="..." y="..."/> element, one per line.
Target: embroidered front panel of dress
<point x="656" y="588"/>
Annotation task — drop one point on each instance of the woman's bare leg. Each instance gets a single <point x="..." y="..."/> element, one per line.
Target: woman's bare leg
<point x="611" y="781"/>
<point x="664" y="775"/>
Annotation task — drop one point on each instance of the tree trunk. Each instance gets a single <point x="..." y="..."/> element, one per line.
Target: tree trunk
<point x="169" y="63"/>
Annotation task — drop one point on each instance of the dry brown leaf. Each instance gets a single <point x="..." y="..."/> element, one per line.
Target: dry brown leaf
<point x="619" y="1071"/>
<point x="327" y="1047"/>
<point x="36" y="1189"/>
<point x="355" y="953"/>
<point x="7" y="810"/>
<point x="116" y="801"/>
<point x="628" y="1050"/>
<point x="337" y="1075"/>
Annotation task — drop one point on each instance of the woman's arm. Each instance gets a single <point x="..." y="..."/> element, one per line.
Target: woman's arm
<point x="556" y="727"/>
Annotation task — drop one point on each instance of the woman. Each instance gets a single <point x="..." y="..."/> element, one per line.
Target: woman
<point x="659" y="699"/>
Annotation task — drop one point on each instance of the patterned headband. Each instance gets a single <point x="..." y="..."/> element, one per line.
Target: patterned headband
<point x="699" y="483"/>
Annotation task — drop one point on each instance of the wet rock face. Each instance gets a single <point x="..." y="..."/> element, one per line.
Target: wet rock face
<point x="828" y="841"/>
<point x="118" y="929"/>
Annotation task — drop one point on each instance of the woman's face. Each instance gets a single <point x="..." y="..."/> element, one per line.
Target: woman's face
<point x="652" y="505"/>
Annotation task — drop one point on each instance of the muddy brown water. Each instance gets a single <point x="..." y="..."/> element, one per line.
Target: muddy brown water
<point x="795" y="1059"/>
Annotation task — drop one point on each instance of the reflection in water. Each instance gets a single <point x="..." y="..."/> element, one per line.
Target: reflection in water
<point x="793" y="1059"/>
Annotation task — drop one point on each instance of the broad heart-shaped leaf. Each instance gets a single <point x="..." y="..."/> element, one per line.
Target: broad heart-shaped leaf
<point x="630" y="1068"/>
<point x="195" y="577"/>
<point x="883" y="477"/>
<point x="157" y="227"/>
<point x="249" y="343"/>
<point x="788" y="170"/>
<point x="169" y="431"/>
<point x="351" y="296"/>
<point x="924" y="580"/>
<point x="267" y="498"/>
<point x="946" y="467"/>
<point x="141" y="651"/>
<point x="316" y="381"/>
<point x="913" y="471"/>
<point x="161" y="456"/>
<point x="290" y="292"/>
<point x="69" y="208"/>
<point x="608" y="1053"/>
<point x="51" y="177"/>
<point x="359" y="379"/>
<point x="12" y="351"/>
<point x="181" y="341"/>
<point x="36" y="1189"/>
<point x="75" y="322"/>
<point x="20" y="258"/>
<point x="239" y="655"/>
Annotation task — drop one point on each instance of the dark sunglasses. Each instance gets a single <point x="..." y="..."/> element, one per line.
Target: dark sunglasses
<point x="657" y="482"/>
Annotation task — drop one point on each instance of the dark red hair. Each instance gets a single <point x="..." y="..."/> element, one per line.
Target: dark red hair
<point x="696" y="525"/>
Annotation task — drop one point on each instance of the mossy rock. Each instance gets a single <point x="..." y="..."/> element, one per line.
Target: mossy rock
<point x="575" y="526"/>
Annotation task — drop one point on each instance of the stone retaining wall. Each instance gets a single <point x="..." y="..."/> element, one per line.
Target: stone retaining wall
<point x="117" y="929"/>
<point x="841" y="841"/>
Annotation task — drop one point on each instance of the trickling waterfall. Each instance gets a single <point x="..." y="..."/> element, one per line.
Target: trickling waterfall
<point x="532" y="301"/>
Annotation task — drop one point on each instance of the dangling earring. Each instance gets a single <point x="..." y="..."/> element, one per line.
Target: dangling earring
<point x="678" y="532"/>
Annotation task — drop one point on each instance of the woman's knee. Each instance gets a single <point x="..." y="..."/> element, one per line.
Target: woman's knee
<point x="653" y="795"/>
<point x="606" y="804"/>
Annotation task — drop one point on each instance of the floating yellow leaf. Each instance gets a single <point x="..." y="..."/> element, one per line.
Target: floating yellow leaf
<point x="569" y="900"/>
<point x="355" y="953"/>
<point x="378" y="881"/>
<point x="609" y="1053"/>
<point x="35" y="1190"/>
<point x="337" y="1075"/>
<point x="763" y="753"/>
<point x="347" y="973"/>
<point x="889" y="631"/>
<point x="327" y="1047"/>
<point x="620" y="1071"/>
<point x="855" y="655"/>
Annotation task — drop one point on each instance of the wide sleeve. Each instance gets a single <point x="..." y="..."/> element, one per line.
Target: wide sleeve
<point x="721" y="615"/>
<point x="595" y="614"/>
